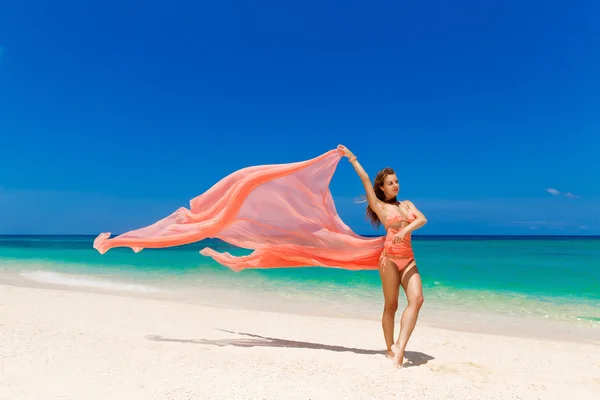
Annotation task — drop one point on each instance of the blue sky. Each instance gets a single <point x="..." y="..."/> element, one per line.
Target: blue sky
<point x="115" y="113"/>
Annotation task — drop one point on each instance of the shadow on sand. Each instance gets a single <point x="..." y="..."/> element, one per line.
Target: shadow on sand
<point x="413" y="358"/>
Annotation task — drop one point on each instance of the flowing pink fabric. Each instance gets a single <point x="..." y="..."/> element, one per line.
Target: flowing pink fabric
<point x="284" y="212"/>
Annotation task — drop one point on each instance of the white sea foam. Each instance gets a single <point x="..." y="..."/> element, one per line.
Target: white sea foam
<point x="58" y="278"/>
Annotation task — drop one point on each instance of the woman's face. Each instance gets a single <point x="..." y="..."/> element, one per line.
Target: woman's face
<point x="390" y="186"/>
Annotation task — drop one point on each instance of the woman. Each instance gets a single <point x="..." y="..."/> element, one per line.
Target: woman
<point x="397" y="266"/>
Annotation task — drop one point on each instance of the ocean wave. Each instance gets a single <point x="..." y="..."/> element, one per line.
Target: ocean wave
<point x="589" y="319"/>
<point x="84" y="281"/>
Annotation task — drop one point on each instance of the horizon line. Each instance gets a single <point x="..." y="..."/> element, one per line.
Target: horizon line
<point x="365" y="235"/>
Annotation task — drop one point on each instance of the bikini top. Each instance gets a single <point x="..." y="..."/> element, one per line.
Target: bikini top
<point x="394" y="216"/>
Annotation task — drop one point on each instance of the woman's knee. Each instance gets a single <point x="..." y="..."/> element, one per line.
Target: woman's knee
<point x="416" y="301"/>
<point x="390" y="306"/>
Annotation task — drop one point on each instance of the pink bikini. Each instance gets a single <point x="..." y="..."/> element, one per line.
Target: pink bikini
<point x="400" y="253"/>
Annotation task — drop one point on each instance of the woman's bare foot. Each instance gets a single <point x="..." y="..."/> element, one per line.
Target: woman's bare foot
<point x="390" y="354"/>
<point x="398" y="356"/>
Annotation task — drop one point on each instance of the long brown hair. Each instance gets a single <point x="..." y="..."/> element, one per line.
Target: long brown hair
<point x="379" y="179"/>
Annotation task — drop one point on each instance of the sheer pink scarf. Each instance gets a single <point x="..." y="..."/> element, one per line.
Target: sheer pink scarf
<point x="284" y="212"/>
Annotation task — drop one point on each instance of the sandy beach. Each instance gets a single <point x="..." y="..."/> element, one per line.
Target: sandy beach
<point x="58" y="344"/>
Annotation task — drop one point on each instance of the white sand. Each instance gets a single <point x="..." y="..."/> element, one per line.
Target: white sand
<point x="70" y="345"/>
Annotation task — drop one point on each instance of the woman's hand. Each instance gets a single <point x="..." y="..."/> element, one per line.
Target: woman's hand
<point x="398" y="237"/>
<point x="345" y="150"/>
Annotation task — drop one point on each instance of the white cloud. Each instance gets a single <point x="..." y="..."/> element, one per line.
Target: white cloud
<point x="359" y="200"/>
<point x="541" y="224"/>
<point x="557" y="192"/>
<point x="535" y="223"/>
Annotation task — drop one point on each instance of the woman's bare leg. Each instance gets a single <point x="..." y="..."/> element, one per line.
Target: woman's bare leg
<point x="390" y="282"/>
<point x="411" y="283"/>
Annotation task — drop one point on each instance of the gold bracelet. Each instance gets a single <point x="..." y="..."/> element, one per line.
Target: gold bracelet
<point x="353" y="158"/>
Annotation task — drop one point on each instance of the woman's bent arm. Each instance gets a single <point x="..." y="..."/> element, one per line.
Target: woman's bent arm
<point x="418" y="222"/>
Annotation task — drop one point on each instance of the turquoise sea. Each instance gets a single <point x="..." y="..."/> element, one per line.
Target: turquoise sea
<point x="553" y="278"/>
